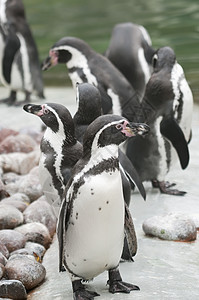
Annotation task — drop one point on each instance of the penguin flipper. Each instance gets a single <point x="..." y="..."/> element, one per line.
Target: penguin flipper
<point x="62" y="226"/>
<point x="130" y="246"/>
<point x="131" y="173"/>
<point x="11" y="48"/>
<point x="170" y="129"/>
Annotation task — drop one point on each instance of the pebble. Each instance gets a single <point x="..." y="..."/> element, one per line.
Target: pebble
<point x="20" y="163"/>
<point x="5" y="132"/>
<point x="20" y="205"/>
<point x="35" y="232"/>
<point x="4" y="250"/>
<point x="36" y="248"/>
<point x="12" y="239"/>
<point x="195" y="218"/>
<point x="3" y="259"/>
<point x="10" y="177"/>
<point x="3" y="192"/>
<point x="2" y="270"/>
<point x="27" y="270"/>
<point x="12" y="289"/>
<point x="33" y="132"/>
<point x="41" y="211"/>
<point x="18" y="143"/>
<point x="10" y="216"/>
<point x="30" y="185"/>
<point x="172" y="226"/>
<point x="20" y="197"/>
<point x="27" y="184"/>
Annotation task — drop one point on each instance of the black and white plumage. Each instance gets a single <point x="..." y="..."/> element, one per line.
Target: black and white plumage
<point x="86" y="65"/>
<point x="130" y="50"/>
<point x="89" y="108"/>
<point x="19" y="61"/>
<point x="60" y="149"/>
<point x="91" y="221"/>
<point x="167" y="106"/>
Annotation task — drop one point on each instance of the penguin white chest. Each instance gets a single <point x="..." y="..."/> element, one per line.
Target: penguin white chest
<point x="95" y="235"/>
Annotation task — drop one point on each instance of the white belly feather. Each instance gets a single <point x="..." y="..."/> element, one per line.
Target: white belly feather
<point x="94" y="239"/>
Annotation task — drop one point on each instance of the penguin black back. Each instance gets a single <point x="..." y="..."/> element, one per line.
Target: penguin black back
<point x="85" y="65"/>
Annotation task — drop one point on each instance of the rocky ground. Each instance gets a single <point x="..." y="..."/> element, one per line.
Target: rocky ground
<point x="163" y="268"/>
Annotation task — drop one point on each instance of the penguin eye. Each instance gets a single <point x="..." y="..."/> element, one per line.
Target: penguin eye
<point x="118" y="126"/>
<point x="45" y="111"/>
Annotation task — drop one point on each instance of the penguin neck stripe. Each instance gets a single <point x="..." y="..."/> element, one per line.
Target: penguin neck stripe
<point x="78" y="60"/>
<point x="95" y="146"/>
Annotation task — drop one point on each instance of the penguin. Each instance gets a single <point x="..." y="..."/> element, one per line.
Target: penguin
<point x="89" y="108"/>
<point x="86" y="65"/>
<point x="19" y="60"/>
<point x="130" y="50"/>
<point x="167" y="106"/>
<point x="92" y="216"/>
<point x="60" y="150"/>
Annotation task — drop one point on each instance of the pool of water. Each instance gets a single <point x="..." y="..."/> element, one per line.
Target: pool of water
<point x="171" y="23"/>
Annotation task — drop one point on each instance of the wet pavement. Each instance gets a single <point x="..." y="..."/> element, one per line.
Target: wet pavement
<point x="162" y="269"/>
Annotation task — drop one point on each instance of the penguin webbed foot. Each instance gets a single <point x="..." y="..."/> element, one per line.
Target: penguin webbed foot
<point x="116" y="285"/>
<point x="80" y="292"/>
<point x="165" y="188"/>
<point x="155" y="183"/>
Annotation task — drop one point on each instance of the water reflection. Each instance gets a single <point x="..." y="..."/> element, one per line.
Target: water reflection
<point x="172" y="22"/>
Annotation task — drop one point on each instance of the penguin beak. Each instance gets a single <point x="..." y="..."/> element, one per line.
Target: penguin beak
<point x="133" y="129"/>
<point x="38" y="110"/>
<point x="46" y="64"/>
<point x="50" y="61"/>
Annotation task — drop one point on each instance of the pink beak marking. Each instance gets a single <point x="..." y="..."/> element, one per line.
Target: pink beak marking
<point x="126" y="130"/>
<point x="43" y="111"/>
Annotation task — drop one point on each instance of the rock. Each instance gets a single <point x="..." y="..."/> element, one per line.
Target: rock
<point x="19" y="143"/>
<point x="176" y="227"/>
<point x="33" y="132"/>
<point x="4" y="250"/>
<point x="36" y="248"/>
<point x="27" y="184"/>
<point x="41" y="211"/>
<point x="12" y="289"/>
<point x="22" y="251"/>
<point x="20" y="197"/>
<point x="10" y="177"/>
<point x="21" y="206"/>
<point x="2" y="270"/>
<point x="5" y="132"/>
<point x="35" y="232"/>
<point x="195" y="218"/>
<point x="10" y="217"/>
<point x="28" y="271"/>
<point x="3" y="259"/>
<point x="30" y="185"/>
<point x="19" y="255"/>
<point x="3" y="192"/>
<point x="12" y="239"/>
<point x="20" y="163"/>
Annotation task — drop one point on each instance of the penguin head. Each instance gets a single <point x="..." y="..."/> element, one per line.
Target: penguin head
<point x="163" y="57"/>
<point x="89" y="104"/>
<point x="110" y="130"/>
<point x="55" y="116"/>
<point x="64" y="50"/>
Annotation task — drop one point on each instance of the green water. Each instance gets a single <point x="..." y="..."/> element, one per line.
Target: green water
<point x="174" y="23"/>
